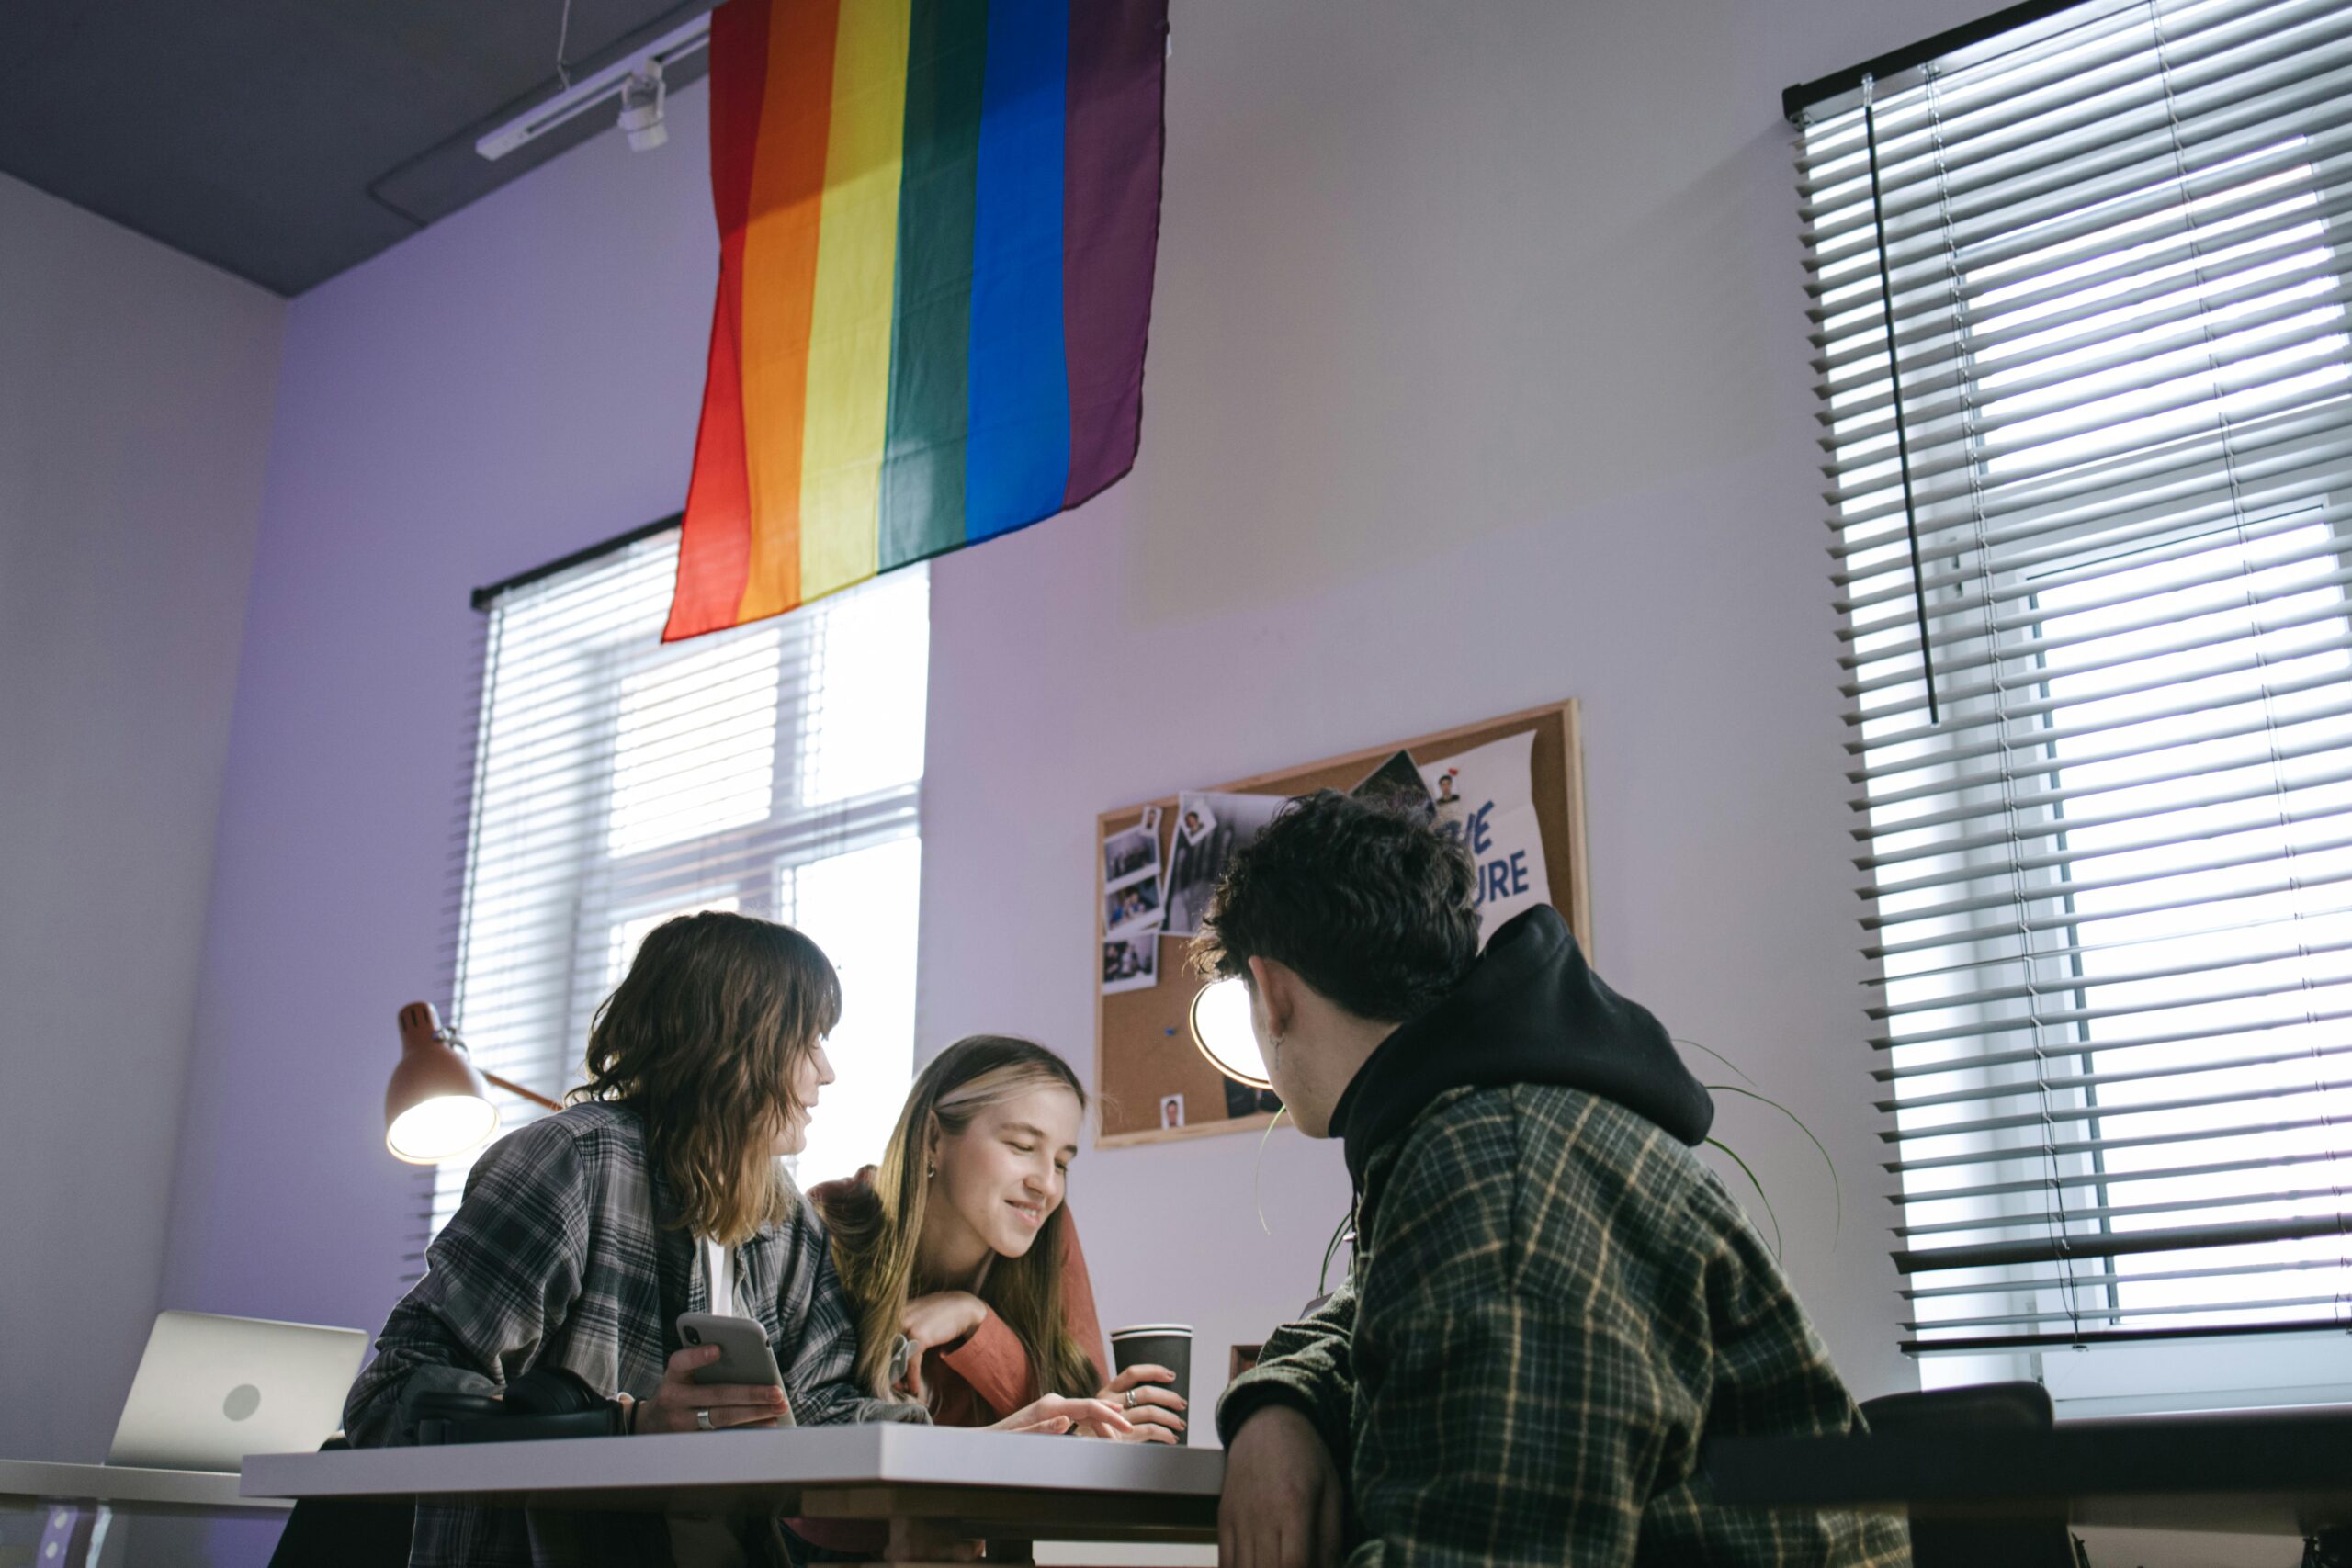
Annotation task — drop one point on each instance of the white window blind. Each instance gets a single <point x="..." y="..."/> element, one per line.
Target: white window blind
<point x="2085" y="400"/>
<point x="774" y="770"/>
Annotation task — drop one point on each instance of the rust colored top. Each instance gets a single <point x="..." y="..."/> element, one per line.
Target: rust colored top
<point x="977" y="1381"/>
<point x="986" y="1376"/>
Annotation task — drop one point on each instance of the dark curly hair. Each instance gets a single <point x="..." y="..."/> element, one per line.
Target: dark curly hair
<point x="1363" y="898"/>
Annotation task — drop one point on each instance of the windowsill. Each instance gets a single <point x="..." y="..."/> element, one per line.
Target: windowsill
<point x="2332" y="1395"/>
<point x="2258" y="1373"/>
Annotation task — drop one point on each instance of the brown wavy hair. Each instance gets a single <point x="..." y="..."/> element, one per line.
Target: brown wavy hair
<point x="701" y="1039"/>
<point x="875" y="1225"/>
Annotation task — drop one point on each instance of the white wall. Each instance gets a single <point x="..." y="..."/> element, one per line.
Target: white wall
<point x="135" y="400"/>
<point x="1477" y="379"/>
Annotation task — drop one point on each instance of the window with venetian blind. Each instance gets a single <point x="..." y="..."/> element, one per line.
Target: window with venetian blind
<point x="774" y="770"/>
<point x="2078" y="292"/>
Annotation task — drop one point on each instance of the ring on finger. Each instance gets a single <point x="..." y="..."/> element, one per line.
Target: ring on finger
<point x="1131" y="1399"/>
<point x="702" y="1422"/>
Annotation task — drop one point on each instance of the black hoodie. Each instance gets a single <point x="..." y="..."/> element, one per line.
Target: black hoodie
<point x="1530" y="1372"/>
<point x="1529" y="1010"/>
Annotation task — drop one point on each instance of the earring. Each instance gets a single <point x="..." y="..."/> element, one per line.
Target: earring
<point x="929" y="1172"/>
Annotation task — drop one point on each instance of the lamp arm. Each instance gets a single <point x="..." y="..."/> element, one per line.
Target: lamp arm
<point x="519" y="1092"/>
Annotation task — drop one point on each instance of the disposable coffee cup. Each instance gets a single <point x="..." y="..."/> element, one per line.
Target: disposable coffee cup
<point x="1166" y="1345"/>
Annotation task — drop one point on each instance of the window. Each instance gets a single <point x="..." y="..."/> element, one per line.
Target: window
<point x="774" y="770"/>
<point x="2081" y="334"/>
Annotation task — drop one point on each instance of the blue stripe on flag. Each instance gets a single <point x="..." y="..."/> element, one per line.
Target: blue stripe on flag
<point x="1017" y="462"/>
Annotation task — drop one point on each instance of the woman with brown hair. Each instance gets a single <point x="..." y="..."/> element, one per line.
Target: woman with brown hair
<point x="584" y="1234"/>
<point x="963" y="1267"/>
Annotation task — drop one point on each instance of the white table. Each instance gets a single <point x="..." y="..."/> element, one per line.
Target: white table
<point x="972" y="1483"/>
<point x="83" y="1499"/>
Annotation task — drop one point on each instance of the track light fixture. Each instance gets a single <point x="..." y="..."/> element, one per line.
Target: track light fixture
<point x="636" y="83"/>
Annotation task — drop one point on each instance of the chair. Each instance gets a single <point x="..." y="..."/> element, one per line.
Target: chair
<point x="1989" y="1408"/>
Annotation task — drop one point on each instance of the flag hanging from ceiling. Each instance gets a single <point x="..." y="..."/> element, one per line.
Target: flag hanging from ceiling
<point x="937" y="221"/>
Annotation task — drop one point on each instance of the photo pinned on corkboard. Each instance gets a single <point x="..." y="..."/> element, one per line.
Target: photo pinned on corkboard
<point x="1224" y="824"/>
<point x="1510" y="787"/>
<point x="1131" y="854"/>
<point x="1134" y="898"/>
<point x="1399" y="781"/>
<point x="1130" y="963"/>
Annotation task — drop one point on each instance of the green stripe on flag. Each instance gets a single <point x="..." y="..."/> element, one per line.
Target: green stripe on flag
<point x="922" y="463"/>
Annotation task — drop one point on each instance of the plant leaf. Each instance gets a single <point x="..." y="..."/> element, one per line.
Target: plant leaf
<point x="1258" y="1171"/>
<point x="1711" y="1051"/>
<point x="1837" y="1187"/>
<point x="1733" y="1156"/>
<point x="1323" y="1275"/>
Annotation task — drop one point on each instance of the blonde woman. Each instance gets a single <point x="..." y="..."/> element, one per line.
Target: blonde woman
<point x="584" y="1236"/>
<point x="961" y="1265"/>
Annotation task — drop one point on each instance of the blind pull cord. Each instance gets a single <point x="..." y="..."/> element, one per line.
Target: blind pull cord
<point x="1895" y="377"/>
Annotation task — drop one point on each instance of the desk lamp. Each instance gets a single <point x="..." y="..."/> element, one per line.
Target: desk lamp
<point x="1221" y="1029"/>
<point x="437" y="1105"/>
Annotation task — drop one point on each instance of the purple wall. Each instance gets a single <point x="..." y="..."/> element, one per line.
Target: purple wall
<point x="1477" y="380"/>
<point x="518" y="381"/>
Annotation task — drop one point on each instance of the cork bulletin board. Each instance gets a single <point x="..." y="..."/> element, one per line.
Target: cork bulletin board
<point x="1143" y="1043"/>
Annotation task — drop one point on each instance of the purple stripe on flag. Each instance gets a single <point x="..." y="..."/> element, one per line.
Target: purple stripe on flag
<point x="1118" y="53"/>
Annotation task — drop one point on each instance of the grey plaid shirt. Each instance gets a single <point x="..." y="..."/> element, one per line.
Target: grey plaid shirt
<point x="1553" y="1304"/>
<point x="560" y="1257"/>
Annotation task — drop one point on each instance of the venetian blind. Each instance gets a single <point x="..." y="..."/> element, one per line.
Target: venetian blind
<point x="773" y="770"/>
<point x="2079" y="325"/>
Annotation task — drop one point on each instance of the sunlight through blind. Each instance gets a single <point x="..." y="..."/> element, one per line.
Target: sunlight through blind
<point x="774" y="770"/>
<point x="2080" y="330"/>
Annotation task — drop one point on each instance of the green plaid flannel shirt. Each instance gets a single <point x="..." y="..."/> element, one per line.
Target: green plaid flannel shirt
<point x="1553" y="1303"/>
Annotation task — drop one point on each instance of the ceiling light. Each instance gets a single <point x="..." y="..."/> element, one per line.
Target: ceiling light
<point x="641" y="99"/>
<point x="638" y="72"/>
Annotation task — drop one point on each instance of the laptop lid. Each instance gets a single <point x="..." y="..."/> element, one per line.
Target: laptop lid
<point x="212" y="1389"/>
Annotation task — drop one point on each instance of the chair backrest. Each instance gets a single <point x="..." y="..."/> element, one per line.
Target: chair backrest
<point x="1973" y="1543"/>
<point x="1981" y="1407"/>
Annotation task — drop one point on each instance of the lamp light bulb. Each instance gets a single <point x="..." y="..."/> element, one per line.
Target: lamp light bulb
<point x="1221" y="1029"/>
<point x="441" y="1128"/>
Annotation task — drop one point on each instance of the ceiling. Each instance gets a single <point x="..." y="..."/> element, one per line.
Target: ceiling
<point x="286" y="140"/>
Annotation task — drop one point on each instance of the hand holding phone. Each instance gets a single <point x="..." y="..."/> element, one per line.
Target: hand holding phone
<point x="743" y="1353"/>
<point x="724" y="1376"/>
<point x="682" y="1404"/>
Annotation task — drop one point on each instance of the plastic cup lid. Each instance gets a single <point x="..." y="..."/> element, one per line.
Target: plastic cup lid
<point x="1151" y="1328"/>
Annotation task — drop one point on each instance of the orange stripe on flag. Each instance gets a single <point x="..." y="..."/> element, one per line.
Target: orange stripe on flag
<point x="715" y="543"/>
<point x="780" y="288"/>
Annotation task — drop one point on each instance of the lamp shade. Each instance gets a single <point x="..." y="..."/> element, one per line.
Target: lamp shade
<point x="1221" y="1029"/>
<point x="437" y="1105"/>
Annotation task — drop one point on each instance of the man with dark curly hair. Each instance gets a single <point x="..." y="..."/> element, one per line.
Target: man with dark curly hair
<point x="1551" y="1303"/>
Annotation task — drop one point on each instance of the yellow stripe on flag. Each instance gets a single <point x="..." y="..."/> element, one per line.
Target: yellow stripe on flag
<point x="848" y="349"/>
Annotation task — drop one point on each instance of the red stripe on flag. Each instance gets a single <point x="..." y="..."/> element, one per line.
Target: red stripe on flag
<point x="715" y="543"/>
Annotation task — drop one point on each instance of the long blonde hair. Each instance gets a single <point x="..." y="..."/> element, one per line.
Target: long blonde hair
<point x="701" y="1039"/>
<point x="877" y="1228"/>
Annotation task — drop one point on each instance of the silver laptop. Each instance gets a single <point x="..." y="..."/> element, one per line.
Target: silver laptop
<point x="212" y="1389"/>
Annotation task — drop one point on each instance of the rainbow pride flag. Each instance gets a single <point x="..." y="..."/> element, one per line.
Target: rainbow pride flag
<point x="937" y="222"/>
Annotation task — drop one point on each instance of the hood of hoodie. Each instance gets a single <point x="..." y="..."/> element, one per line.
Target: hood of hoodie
<point x="1530" y="1010"/>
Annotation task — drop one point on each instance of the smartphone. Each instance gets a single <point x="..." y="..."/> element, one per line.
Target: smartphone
<point x="743" y="1353"/>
